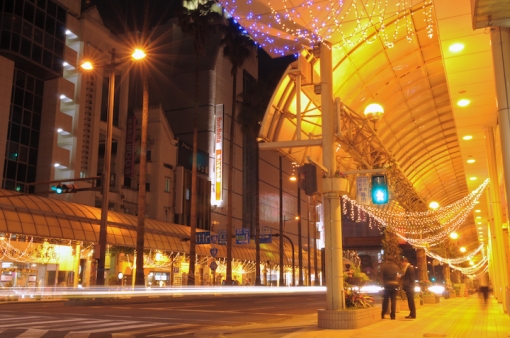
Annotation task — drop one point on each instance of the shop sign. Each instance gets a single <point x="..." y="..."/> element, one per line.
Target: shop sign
<point x="265" y="235"/>
<point x="222" y="237"/>
<point x="203" y="237"/>
<point x="243" y="236"/>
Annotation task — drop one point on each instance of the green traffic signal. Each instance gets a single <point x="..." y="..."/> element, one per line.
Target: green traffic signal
<point x="379" y="189"/>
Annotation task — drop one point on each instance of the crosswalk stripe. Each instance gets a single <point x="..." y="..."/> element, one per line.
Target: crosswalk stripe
<point x="103" y="324"/>
<point x="43" y="322"/>
<point x="77" y="335"/>
<point x="32" y="333"/>
<point x="16" y="317"/>
<point x="59" y="326"/>
<point x="159" y="328"/>
<point x="125" y="327"/>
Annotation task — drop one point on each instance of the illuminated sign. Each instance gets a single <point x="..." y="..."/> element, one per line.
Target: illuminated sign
<point x="129" y="157"/>
<point x="218" y="166"/>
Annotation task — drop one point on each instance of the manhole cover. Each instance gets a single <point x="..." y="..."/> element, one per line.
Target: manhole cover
<point x="434" y="335"/>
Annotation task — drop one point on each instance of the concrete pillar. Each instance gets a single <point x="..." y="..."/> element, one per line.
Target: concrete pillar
<point x="500" y="41"/>
<point x="500" y="280"/>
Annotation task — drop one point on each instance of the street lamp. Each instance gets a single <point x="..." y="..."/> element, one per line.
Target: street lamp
<point x="105" y="179"/>
<point x="282" y="230"/>
<point x="293" y="262"/>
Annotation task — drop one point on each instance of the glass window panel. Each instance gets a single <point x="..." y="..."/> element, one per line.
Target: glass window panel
<point x="32" y="160"/>
<point x="27" y="30"/>
<point x="30" y="83"/>
<point x="39" y="88"/>
<point x="18" y="96"/>
<point x="49" y="27"/>
<point x="31" y="172"/>
<point x="43" y="230"/>
<point x="61" y="14"/>
<point x="16" y="114"/>
<point x="28" y="104"/>
<point x="13" y="151"/>
<point x="14" y="227"/>
<point x="15" y="42"/>
<point x="22" y="172"/>
<point x="28" y="14"/>
<point x="15" y="132"/>
<point x="47" y="59"/>
<point x="29" y="229"/>
<point x="67" y="233"/>
<point x="34" y="139"/>
<point x="20" y="79"/>
<point x="5" y="40"/>
<point x="18" y="8"/>
<point x="48" y="42"/>
<point x="41" y="4"/>
<point x="39" y="19"/>
<point x="25" y="136"/>
<point x="26" y="48"/>
<point x="16" y="25"/>
<point x="36" y="53"/>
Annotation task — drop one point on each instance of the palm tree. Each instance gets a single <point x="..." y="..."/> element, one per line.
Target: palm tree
<point x="199" y="22"/>
<point x="238" y="48"/>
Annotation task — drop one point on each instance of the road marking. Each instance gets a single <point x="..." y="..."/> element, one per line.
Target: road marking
<point x="43" y="322"/>
<point x="126" y="327"/>
<point x="160" y="328"/>
<point x="32" y="333"/>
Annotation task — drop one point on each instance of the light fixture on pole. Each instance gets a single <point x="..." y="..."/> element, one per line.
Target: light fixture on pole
<point x="373" y="112"/>
<point x="105" y="177"/>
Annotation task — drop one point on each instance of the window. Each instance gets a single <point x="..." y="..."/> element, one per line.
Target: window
<point x="148" y="155"/>
<point x="167" y="185"/>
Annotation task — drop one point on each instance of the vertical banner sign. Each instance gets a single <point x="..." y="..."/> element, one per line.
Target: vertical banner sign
<point x="129" y="157"/>
<point x="222" y="237"/>
<point x="219" y="154"/>
<point x="243" y="236"/>
<point x="362" y="190"/>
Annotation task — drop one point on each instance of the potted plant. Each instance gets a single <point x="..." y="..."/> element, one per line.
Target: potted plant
<point x="354" y="277"/>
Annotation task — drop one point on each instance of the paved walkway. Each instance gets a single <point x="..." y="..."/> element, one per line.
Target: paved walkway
<point x="463" y="317"/>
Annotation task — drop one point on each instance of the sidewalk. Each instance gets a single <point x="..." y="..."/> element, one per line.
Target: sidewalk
<point x="463" y="317"/>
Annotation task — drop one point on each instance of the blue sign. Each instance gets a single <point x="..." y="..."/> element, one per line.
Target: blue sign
<point x="214" y="252"/>
<point x="265" y="235"/>
<point x="222" y="237"/>
<point x="243" y="236"/>
<point x="214" y="239"/>
<point x="213" y="266"/>
<point x="203" y="237"/>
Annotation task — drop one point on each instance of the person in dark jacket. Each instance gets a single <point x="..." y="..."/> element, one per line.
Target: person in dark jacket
<point x="389" y="277"/>
<point x="408" y="281"/>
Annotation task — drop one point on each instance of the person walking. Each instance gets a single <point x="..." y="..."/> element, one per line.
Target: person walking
<point x="389" y="276"/>
<point x="484" y="287"/>
<point x="408" y="282"/>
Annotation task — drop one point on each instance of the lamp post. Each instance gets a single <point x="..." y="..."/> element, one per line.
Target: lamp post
<point x="105" y="177"/>
<point x="293" y="262"/>
<point x="282" y="231"/>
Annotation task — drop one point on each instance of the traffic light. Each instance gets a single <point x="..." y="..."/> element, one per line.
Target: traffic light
<point x="310" y="179"/>
<point x="379" y="189"/>
<point x="64" y="188"/>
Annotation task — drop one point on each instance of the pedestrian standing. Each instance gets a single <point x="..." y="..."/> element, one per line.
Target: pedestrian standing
<point x="408" y="282"/>
<point x="484" y="287"/>
<point x="389" y="276"/>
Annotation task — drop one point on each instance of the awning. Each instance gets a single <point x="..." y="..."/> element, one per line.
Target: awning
<point x="33" y="215"/>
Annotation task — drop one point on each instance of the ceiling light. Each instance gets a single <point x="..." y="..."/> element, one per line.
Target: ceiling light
<point x="456" y="47"/>
<point x="480" y="228"/>
<point x="478" y="210"/>
<point x="478" y="217"/>
<point x="433" y="205"/>
<point x="471" y="160"/>
<point x="472" y="178"/>
<point x="463" y="102"/>
<point x="479" y="223"/>
<point x="480" y="232"/>
<point x="454" y="235"/>
<point x="467" y="137"/>
<point x="462" y="249"/>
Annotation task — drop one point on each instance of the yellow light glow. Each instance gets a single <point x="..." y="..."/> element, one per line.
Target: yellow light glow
<point x="478" y="210"/>
<point x="479" y="223"/>
<point x="471" y="160"/>
<point x="462" y="249"/>
<point x="473" y="178"/>
<point x="456" y="47"/>
<point x="374" y="112"/>
<point x="433" y="205"/>
<point x="463" y="102"/>
<point x="138" y="54"/>
<point x="87" y="65"/>
<point x="293" y="178"/>
<point x="478" y="217"/>
<point x="454" y="235"/>
<point x="467" y="137"/>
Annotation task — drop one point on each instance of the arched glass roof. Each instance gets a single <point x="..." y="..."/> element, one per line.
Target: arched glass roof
<point x="33" y="215"/>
